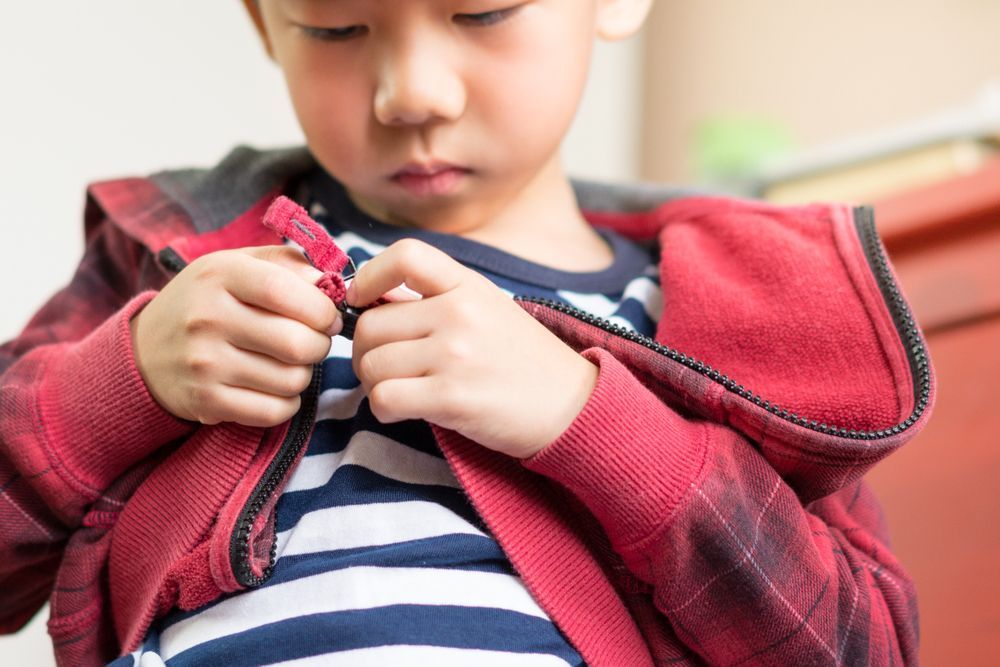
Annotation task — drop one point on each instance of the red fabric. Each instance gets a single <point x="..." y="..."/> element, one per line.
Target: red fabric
<point x="804" y="357"/>
<point x="291" y="221"/>
<point x="674" y="521"/>
<point x="696" y="511"/>
<point x="245" y="230"/>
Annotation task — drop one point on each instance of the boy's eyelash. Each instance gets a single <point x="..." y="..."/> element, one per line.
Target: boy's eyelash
<point x="487" y="18"/>
<point x="483" y="19"/>
<point x="334" y="34"/>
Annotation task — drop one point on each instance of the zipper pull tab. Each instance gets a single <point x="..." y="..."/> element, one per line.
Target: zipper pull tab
<point x="292" y="222"/>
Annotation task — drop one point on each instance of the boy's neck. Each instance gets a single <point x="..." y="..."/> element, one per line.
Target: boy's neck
<point x="542" y="224"/>
<point x="545" y="225"/>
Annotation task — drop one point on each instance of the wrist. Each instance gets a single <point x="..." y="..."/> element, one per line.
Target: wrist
<point x="577" y="390"/>
<point x="138" y="357"/>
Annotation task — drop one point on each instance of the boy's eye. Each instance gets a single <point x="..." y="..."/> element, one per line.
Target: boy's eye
<point x="334" y="34"/>
<point x="487" y="18"/>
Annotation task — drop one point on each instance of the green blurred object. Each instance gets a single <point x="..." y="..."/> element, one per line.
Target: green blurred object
<point x="728" y="149"/>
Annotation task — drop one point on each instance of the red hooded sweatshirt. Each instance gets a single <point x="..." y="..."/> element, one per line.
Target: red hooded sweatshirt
<point x="706" y="506"/>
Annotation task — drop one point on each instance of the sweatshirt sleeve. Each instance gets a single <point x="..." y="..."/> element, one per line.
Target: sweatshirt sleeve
<point x="741" y="569"/>
<point x="74" y="415"/>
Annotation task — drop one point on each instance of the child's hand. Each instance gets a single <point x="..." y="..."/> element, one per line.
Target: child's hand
<point x="234" y="335"/>
<point x="465" y="356"/>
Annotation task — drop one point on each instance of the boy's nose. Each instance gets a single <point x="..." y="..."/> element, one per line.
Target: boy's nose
<point x="418" y="86"/>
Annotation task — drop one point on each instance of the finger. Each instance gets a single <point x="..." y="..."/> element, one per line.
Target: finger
<point x="284" y="339"/>
<point x="247" y="407"/>
<point x="391" y="322"/>
<point x="279" y="290"/>
<point x="423" y="268"/>
<point x="403" y="359"/>
<point x="264" y="374"/>
<point x="398" y="399"/>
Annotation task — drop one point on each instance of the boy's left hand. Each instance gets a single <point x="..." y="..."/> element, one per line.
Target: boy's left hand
<point x="465" y="356"/>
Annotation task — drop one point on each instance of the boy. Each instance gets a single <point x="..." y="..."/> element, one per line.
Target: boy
<point x="477" y="479"/>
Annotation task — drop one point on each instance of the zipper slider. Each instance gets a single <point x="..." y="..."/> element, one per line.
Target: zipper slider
<point x="350" y="314"/>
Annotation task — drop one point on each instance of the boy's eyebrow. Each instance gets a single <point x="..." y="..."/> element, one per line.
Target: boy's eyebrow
<point x="311" y="3"/>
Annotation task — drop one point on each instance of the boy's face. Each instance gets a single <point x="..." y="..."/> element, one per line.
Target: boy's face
<point x="438" y="113"/>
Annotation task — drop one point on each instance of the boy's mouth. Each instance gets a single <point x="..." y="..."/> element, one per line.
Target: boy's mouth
<point x="429" y="179"/>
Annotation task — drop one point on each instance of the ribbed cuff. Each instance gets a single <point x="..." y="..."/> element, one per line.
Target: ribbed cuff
<point x="99" y="419"/>
<point x="627" y="456"/>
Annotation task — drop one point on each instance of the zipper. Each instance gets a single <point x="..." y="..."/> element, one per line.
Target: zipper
<point x="902" y="318"/>
<point x="171" y="260"/>
<point x="296" y="438"/>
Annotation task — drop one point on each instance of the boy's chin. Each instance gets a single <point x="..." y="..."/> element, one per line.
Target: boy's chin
<point x="448" y="214"/>
<point x="445" y="219"/>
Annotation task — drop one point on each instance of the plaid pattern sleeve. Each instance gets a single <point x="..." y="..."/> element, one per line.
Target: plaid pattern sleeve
<point x="74" y="415"/>
<point x="742" y="569"/>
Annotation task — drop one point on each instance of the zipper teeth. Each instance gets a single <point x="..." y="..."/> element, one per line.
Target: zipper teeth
<point x="294" y="441"/>
<point x="902" y="318"/>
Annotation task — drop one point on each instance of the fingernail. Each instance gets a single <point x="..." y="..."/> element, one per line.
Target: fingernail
<point x="351" y="294"/>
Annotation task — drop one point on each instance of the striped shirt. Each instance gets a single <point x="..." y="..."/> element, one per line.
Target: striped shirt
<point x="381" y="558"/>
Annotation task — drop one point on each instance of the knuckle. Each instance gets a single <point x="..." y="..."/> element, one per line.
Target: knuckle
<point x="296" y="380"/>
<point x="409" y="245"/>
<point x="292" y="406"/>
<point x="272" y="288"/>
<point x="410" y="252"/>
<point x="462" y="311"/>
<point x="369" y="367"/>
<point x="213" y="266"/>
<point x="298" y="349"/>
<point x="456" y="348"/>
<point x="447" y="408"/>
<point x="284" y="256"/>
<point x="205" y="406"/>
<point x="196" y="322"/>
<point x="324" y="343"/>
<point x="380" y="402"/>
<point x="363" y="324"/>
<point x="314" y="346"/>
<point x="278" y="410"/>
<point x="200" y="364"/>
<point x="271" y="253"/>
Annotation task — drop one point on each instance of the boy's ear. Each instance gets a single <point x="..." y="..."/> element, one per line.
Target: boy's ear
<point x="253" y="8"/>
<point x="618" y="19"/>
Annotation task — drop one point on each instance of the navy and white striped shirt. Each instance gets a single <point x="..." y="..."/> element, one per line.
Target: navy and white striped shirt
<point x="381" y="558"/>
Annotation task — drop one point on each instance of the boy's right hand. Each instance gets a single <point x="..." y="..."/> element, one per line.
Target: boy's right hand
<point x="233" y="337"/>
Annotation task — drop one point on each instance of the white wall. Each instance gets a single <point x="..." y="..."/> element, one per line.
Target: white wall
<point x="106" y="88"/>
<point x="111" y="88"/>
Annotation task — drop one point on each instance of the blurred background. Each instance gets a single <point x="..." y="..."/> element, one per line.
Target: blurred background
<point x="893" y="103"/>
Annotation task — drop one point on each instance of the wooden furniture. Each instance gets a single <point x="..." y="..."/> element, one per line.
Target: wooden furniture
<point x="941" y="492"/>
